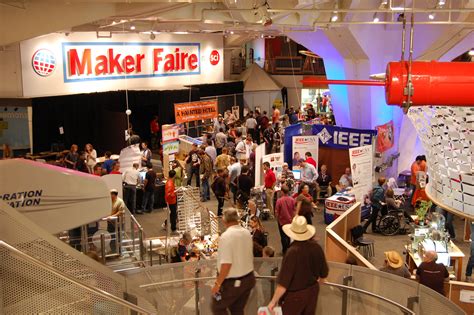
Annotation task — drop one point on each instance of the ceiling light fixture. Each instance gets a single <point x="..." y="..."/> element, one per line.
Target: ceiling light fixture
<point x="231" y="32"/>
<point x="262" y="11"/>
<point x="471" y="52"/>
<point x="132" y="27"/>
<point x="384" y="2"/>
<point x="152" y="36"/>
<point x="376" y="18"/>
<point x="334" y="17"/>
<point x="432" y="16"/>
<point x="441" y="2"/>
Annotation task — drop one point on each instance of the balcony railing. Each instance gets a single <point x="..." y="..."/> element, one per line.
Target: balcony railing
<point x="284" y="65"/>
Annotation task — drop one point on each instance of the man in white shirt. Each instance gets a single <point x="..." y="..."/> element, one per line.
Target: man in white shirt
<point x="248" y="147"/>
<point x="309" y="175"/>
<point x="130" y="180"/>
<point x="240" y="150"/>
<point x="235" y="267"/>
<point x="234" y="171"/>
<point x="251" y="124"/>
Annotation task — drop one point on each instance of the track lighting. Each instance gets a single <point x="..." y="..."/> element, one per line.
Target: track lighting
<point x="132" y="27"/>
<point x="334" y="17"/>
<point x="471" y="52"/>
<point x="432" y="16"/>
<point x="376" y="18"/>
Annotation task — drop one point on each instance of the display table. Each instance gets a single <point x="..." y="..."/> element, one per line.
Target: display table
<point x="159" y="197"/>
<point x="455" y="254"/>
<point x="186" y="142"/>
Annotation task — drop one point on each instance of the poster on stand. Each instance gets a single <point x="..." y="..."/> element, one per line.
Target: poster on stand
<point x="303" y="144"/>
<point x="385" y="134"/>
<point x="361" y="160"/>
<point x="171" y="147"/>
<point x="170" y="132"/>
<point x="276" y="162"/>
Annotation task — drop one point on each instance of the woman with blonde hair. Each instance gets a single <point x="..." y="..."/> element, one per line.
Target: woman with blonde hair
<point x="91" y="156"/>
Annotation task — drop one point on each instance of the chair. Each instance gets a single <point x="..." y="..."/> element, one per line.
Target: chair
<point x="365" y="246"/>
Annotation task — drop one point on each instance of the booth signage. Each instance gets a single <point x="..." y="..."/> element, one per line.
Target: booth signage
<point x="385" y="135"/>
<point x="170" y="132"/>
<point x="192" y="111"/>
<point x="108" y="61"/>
<point x="342" y="138"/>
<point x="56" y="64"/>
<point x="361" y="160"/>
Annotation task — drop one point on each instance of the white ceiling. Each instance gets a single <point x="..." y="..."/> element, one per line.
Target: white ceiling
<point x="241" y="20"/>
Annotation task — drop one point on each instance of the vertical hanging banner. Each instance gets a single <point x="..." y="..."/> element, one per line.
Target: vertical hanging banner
<point x="303" y="144"/>
<point x="361" y="159"/>
<point x="192" y="111"/>
<point x="385" y="136"/>
<point x="14" y="127"/>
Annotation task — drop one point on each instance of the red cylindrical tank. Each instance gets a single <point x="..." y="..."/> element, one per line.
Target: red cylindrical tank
<point x="434" y="83"/>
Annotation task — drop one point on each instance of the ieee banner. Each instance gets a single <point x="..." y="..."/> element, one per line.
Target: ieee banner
<point x="342" y="138"/>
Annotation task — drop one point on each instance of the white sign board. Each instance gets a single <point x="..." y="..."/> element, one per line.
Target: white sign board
<point x="276" y="161"/>
<point x="56" y="64"/>
<point x="466" y="296"/>
<point x="361" y="159"/>
<point x="303" y="144"/>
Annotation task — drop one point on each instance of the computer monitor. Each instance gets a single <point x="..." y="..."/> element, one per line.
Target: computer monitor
<point x="444" y="258"/>
<point x="297" y="174"/>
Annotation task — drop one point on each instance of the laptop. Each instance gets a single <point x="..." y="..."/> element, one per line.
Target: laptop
<point x="297" y="174"/>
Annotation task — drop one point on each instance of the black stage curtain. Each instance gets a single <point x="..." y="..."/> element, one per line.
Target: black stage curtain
<point x="99" y="118"/>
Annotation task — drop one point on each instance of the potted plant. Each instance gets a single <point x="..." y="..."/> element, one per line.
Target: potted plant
<point x="421" y="208"/>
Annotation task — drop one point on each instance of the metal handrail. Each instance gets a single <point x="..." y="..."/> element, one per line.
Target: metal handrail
<point x="64" y="276"/>
<point x="404" y="309"/>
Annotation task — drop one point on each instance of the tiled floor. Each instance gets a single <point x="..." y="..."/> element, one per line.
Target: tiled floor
<point x="152" y="226"/>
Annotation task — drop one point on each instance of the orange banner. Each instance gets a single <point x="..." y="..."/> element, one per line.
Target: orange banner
<point x="192" y="111"/>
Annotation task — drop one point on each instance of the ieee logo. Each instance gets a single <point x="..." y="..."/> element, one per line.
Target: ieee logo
<point x="43" y="62"/>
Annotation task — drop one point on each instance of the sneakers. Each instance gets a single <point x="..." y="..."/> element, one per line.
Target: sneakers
<point x="468" y="279"/>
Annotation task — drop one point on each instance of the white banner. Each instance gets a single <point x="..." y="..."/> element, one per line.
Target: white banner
<point x="58" y="64"/>
<point x="276" y="162"/>
<point x="55" y="198"/>
<point x="362" y="160"/>
<point x="303" y="144"/>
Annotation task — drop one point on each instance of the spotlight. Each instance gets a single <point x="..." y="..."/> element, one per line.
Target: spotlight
<point x="262" y="36"/>
<point x="231" y="32"/>
<point x="471" y="52"/>
<point x="384" y="2"/>
<point x="400" y="17"/>
<point x="376" y="18"/>
<point x="334" y="17"/>
<point x="132" y="27"/>
<point x="152" y="36"/>
<point x="441" y="2"/>
<point x="432" y="16"/>
<point x="266" y="18"/>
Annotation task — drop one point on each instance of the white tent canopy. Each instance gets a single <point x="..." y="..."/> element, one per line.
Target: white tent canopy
<point x="260" y="90"/>
<point x="257" y="80"/>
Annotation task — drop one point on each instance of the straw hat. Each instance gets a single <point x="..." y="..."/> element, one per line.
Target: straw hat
<point x="394" y="259"/>
<point x="299" y="230"/>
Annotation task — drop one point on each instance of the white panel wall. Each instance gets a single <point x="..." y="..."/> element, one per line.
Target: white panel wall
<point x="10" y="72"/>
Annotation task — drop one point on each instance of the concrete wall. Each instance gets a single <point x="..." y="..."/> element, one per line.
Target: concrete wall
<point x="10" y="72"/>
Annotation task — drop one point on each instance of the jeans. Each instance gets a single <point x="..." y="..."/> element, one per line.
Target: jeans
<point x="373" y="219"/>
<point x="116" y="239"/>
<point x="285" y="240"/>
<point x="220" y="205"/>
<point x="173" y="216"/>
<point x="130" y="197"/>
<point x="470" y="262"/>
<point x="194" y="171"/>
<point x="148" y="200"/>
<point x="205" y="191"/>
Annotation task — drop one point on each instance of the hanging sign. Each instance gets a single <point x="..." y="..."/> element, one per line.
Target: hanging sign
<point x="342" y="138"/>
<point x="192" y="111"/>
<point x="385" y="136"/>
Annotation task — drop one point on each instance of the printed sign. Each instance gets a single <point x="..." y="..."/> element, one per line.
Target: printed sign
<point x="170" y="132"/>
<point x="14" y="127"/>
<point x="303" y="144"/>
<point x="361" y="160"/>
<point x="342" y="138"/>
<point x="192" y="111"/>
<point x="57" y="64"/>
<point x="385" y="134"/>
<point x="276" y="162"/>
<point x="171" y="147"/>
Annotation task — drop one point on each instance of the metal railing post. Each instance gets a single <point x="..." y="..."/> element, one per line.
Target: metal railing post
<point x="197" y="272"/>
<point x="272" y="283"/>
<point x="150" y="253"/>
<point x="84" y="238"/>
<point x="132" y="234"/>
<point x="117" y="243"/>
<point x="102" y="247"/>
<point x="140" y="239"/>
<point x="411" y="302"/>
<point x="345" y="281"/>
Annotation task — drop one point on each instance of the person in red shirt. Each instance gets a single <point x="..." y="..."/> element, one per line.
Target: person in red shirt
<point x="284" y="213"/>
<point x="171" y="200"/>
<point x="269" y="182"/>
<point x="154" y="131"/>
<point x="310" y="160"/>
<point x="415" y="168"/>
<point x="116" y="168"/>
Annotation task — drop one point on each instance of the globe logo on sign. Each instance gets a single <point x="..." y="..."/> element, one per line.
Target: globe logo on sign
<point x="43" y="62"/>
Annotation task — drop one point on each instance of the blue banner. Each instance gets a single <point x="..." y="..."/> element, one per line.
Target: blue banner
<point x="342" y="138"/>
<point x="329" y="136"/>
<point x="14" y="129"/>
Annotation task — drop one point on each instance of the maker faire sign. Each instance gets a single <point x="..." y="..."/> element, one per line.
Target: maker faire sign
<point x="58" y="64"/>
